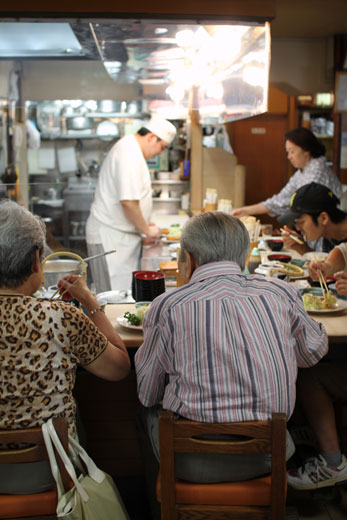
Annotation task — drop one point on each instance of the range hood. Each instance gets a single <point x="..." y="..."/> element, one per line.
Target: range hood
<point x="218" y="69"/>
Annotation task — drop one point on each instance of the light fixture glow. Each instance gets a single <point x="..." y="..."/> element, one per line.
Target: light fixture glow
<point x="176" y="92"/>
<point x="215" y="91"/>
<point x="254" y="76"/>
<point x="184" y="38"/>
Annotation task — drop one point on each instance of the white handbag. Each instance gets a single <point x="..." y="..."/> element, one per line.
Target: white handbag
<point x="94" y="495"/>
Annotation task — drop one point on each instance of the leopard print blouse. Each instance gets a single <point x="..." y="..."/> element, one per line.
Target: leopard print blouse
<point x="41" y="344"/>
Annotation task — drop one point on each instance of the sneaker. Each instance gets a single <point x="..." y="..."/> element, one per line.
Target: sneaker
<point x="316" y="473"/>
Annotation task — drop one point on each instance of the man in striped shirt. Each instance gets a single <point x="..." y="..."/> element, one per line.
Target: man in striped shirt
<point x="224" y="347"/>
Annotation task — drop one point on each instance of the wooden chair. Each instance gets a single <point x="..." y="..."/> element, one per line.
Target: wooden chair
<point x="35" y="504"/>
<point x="252" y="499"/>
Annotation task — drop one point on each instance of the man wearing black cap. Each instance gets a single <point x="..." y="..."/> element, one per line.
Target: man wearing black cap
<point x="314" y="209"/>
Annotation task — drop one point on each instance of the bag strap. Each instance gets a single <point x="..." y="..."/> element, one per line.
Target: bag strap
<point x="49" y="428"/>
<point x="52" y="461"/>
<point x="93" y="471"/>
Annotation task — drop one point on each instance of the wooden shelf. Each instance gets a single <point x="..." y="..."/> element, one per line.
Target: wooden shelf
<point x="170" y="182"/>
<point x="158" y="199"/>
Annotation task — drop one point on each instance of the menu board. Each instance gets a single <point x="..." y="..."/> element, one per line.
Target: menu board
<point x="341" y="92"/>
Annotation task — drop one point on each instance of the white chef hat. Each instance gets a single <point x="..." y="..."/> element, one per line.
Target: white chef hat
<point x="161" y="128"/>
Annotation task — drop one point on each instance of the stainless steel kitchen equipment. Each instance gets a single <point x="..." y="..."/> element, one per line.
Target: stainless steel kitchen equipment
<point x="79" y="123"/>
<point x="108" y="106"/>
<point x="78" y="196"/>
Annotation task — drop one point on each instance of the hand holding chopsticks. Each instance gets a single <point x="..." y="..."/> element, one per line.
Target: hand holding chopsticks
<point x="65" y="290"/>
<point x="293" y="237"/>
<point x="323" y="283"/>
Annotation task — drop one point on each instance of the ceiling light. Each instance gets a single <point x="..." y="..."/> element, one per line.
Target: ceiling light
<point x="184" y="38"/>
<point x="215" y="91"/>
<point x="176" y="92"/>
<point x="255" y="76"/>
<point x="160" y="30"/>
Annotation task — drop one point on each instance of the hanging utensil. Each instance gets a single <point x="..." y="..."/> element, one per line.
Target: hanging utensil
<point x="99" y="255"/>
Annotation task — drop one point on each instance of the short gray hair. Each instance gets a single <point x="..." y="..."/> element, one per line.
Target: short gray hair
<point x="215" y="236"/>
<point x="21" y="234"/>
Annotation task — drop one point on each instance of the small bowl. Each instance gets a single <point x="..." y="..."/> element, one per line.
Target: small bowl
<point x="142" y="304"/>
<point x="102" y="303"/>
<point x="300" y="262"/>
<point x="275" y="245"/>
<point x="315" y="283"/>
<point x="279" y="258"/>
<point x="317" y="291"/>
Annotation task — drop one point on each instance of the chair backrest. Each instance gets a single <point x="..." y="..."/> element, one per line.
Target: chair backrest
<point x="260" y="437"/>
<point x="36" y="449"/>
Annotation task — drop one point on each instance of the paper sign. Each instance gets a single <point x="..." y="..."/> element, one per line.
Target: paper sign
<point x="47" y="157"/>
<point x="33" y="162"/>
<point x="67" y="159"/>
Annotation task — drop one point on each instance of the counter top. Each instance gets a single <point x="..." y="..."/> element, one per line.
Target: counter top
<point x="335" y="325"/>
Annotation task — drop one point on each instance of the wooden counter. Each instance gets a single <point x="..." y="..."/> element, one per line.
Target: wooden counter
<point x="335" y="325"/>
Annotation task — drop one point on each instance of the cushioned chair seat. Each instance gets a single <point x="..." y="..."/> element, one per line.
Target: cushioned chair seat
<point x="258" y="498"/>
<point x="37" y="504"/>
<point x="255" y="492"/>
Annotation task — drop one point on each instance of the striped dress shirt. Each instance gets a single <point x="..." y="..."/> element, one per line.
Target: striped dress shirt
<point x="226" y="346"/>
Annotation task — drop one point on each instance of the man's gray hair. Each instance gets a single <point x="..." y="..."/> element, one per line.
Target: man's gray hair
<point x="21" y="234"/>
<point x="215" y="236"/>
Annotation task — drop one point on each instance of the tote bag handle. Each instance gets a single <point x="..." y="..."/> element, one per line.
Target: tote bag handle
<point x="50" y="435"/>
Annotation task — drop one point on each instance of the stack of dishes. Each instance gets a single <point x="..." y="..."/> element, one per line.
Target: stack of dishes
<point x="148" y="285"/>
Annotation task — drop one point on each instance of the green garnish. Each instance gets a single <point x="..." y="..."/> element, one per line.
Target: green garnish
<point x="133" y="319"/>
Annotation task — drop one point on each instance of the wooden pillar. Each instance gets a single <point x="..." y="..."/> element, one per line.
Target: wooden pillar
<point x="196" y="195"/>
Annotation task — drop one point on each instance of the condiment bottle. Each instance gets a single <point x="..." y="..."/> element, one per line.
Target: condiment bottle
<point x="254" y="260"/>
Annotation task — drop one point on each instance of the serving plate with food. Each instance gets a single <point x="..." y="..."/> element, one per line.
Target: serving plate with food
<point x="282" y="269"/>
<point x="318" y="304"/>
<point x="173" y="234"/>
<point x="134" y="320"/>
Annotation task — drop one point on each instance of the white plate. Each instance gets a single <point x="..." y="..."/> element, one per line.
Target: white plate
<point x="166" y="241"/>
<point x="314" y="256"/>
<point x="124" y="323"/>
<point x="340" y="305"/>
<point x="115" y="297"/>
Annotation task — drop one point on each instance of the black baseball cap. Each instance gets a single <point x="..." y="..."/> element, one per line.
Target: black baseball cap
<point x="311" y="198"/>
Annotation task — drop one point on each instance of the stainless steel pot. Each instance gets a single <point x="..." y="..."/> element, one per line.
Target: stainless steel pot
<point x="79" y="123"/>
<point x="55" y="270"/>
<point x="134" y="107"/>
<point x="108" y="105"/>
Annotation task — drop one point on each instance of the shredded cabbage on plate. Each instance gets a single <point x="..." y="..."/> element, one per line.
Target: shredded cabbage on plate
<point x="318" y="303"/>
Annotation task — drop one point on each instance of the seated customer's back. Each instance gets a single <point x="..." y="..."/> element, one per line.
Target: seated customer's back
<point x="42" y="342"/>
<point x="225" y="347"/>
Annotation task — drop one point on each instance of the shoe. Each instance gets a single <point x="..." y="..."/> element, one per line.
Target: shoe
<point x="316" y="473"/>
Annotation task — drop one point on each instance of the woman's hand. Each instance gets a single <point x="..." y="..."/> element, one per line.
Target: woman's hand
<point x="75" y="287"/>
<point x="240" y="212"/>
<point x="341" y="282"/>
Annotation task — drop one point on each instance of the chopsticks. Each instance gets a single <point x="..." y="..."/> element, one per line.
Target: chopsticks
<point x="322" y="283"/>
<point x="296" y="239"/>
<point x="64" y="292"/>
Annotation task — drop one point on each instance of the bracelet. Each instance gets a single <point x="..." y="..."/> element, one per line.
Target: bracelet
<point x="94" y="311"/>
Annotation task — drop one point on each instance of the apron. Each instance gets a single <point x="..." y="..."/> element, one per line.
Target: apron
<point x="125" y="260"/>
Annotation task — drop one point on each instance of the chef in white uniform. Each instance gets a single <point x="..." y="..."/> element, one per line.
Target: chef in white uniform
<point x="120" y="213"/>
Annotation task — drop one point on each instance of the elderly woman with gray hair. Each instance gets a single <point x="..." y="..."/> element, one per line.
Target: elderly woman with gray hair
<point x="43" y="342"/>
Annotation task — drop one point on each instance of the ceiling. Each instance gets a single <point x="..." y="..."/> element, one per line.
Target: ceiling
<point x="309" y="18"/>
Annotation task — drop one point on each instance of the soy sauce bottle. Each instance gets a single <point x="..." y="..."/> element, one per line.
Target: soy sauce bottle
<point x="254" y="260"/>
